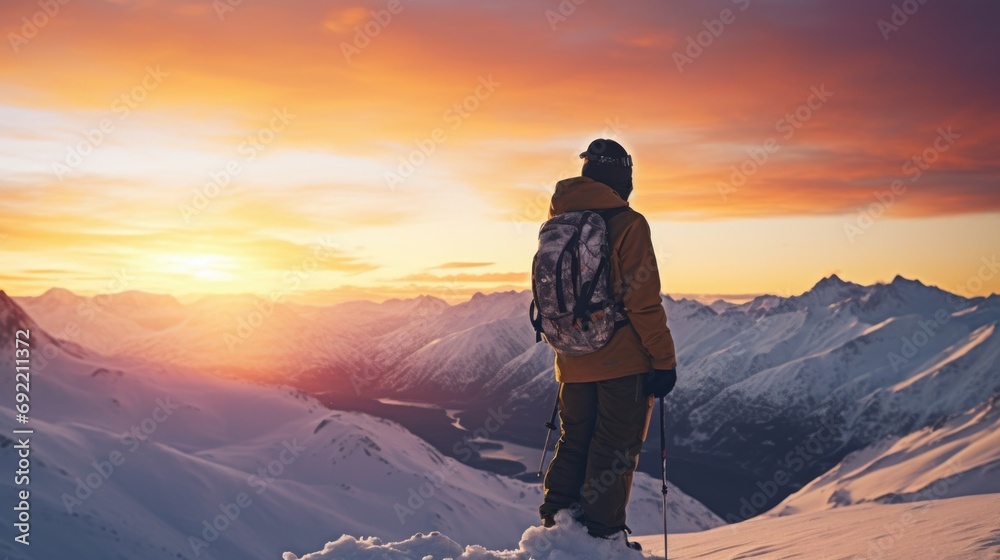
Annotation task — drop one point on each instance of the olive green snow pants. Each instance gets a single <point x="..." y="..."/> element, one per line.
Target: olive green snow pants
<point x="603" y="425"/>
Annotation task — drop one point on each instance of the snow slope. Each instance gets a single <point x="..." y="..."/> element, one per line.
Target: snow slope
<point x="958" y="456"/>
<point x="966" y="528"/>
<point x="756" y="380"/>
<point x="138" y="459"/>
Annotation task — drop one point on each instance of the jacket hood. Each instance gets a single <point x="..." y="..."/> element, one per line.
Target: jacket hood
<point x="583" y="193"/>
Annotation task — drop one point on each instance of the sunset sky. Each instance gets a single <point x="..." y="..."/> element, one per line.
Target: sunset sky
<point x="260" y="146"/>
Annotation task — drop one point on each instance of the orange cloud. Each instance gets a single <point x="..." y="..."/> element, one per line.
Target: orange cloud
<point x="413" y="91"/>
<point x="489" y="277"/>
<point x="346" y="20"/>
<point x="462" y="265"/>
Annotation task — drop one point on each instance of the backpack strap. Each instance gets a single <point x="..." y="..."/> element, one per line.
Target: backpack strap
<point x="536" y="320"/>
<point x="582" y="308"/>
<point x="620" y="310"/>
<point x="606" y="215"/>
<point x="574" y="268"/>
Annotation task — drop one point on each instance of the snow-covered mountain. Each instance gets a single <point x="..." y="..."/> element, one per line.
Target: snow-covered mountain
<point x="831" y="371"/>
<point x="142" y="460"/>
<point x="835" y="369"/>
<point x="957" y="456"/>
<point x="758" y="381"/>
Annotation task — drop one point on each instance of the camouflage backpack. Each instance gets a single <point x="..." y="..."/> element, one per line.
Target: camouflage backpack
<point x="572" y="306"/>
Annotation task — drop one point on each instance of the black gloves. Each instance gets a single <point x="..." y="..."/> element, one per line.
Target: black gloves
<point x="659" y="382"/>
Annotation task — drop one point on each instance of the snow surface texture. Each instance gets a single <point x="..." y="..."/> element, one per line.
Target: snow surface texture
<point x="567" y="540"/>
<point x="966" y="528"/>
<point x="203" y="447"/>
<point x="959" y="456"/>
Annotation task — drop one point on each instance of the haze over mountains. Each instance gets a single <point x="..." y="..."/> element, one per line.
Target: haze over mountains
<point x="135" y="459"/>
<point x="789" y="384"/>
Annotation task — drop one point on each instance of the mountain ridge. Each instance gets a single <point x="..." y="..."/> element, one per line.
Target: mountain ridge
<point x="756" y="380"/>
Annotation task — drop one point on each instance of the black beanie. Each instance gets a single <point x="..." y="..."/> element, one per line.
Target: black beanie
<point x="609" y="163"/>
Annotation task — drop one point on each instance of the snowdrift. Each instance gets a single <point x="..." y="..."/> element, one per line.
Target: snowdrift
<point x="568" y="540"/>
<point x="965" y="528"/>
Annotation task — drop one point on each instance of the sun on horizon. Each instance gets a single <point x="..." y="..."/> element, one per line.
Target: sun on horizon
<point x="186" y="149"/>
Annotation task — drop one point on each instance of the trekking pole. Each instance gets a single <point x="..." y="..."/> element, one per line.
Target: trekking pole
<point x="551" y="425"/>
<point x="663" y="469"/>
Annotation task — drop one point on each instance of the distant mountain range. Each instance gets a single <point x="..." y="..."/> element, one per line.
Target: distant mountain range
<point x="776" y="386"/>
<point x="137" y="459"/>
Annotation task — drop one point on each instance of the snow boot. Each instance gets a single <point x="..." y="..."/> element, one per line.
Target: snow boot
<point x="620" y="535"/>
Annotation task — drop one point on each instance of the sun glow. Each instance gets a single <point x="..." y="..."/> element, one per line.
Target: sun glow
<point x="213" y="268"/>
<point x="201" y="152"/>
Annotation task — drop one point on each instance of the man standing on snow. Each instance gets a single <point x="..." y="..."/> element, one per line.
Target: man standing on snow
<point x="606" y="396"/>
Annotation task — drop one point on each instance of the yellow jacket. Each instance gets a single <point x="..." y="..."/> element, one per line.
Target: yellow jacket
<point x="646" y="343"/>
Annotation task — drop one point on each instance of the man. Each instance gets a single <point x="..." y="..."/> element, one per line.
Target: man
<point x="606" y="397"/>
